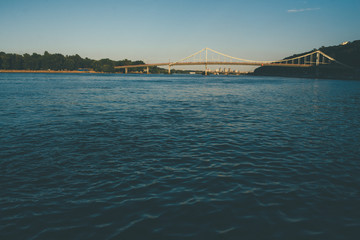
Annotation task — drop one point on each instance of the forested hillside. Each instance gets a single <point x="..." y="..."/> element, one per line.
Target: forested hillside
<point x="56" y="62"/>
<point x="347" y="53"/>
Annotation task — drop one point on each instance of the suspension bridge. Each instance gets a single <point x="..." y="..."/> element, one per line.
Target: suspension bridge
<point x="207" y="56"/>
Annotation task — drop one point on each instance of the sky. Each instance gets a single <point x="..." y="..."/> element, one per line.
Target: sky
<point x="166" y="30"/>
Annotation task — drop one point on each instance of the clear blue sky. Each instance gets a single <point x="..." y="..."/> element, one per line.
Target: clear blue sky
<point x="159" y="30"/>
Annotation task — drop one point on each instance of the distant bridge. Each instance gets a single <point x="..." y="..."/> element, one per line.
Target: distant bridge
<point x="208" y="57"/>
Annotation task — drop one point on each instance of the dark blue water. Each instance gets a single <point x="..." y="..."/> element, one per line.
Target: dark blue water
<point x="178" y="157"/>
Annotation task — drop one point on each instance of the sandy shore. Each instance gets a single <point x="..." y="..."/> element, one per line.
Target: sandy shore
<point x="43" y="71"/>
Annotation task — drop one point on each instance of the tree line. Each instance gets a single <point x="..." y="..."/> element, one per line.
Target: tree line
<point x="58" y="62"/>
<point x="347" y="53"/>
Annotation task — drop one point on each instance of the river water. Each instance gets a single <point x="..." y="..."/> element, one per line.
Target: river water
<point x="86" y="156"/>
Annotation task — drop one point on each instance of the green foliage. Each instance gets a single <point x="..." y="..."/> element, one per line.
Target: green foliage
<point x="58" y="61"/>
<point x="104" y="65"/>
<point x="348" y="54"/>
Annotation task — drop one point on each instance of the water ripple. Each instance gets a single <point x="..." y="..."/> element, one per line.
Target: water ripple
<point x="178" y="157"/>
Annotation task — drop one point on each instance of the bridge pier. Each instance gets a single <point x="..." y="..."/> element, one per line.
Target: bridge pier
<point x="147" y="70"/>
<point x="317" y="58"/>
<point x="126" y="70"/>
<point x="169" y="70"/>
<point x="206" y="70"/>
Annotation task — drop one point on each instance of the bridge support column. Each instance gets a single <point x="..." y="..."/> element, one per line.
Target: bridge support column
<point x="169" y="70"/>
<point x="126" y="70"/>
<point x="317" y="59"/>
<point x="206" y="70"/>
<point x="147" y="70"/>
<point x="317" y="72"/>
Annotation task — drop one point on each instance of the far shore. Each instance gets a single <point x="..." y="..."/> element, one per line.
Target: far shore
<point x="45" y="71"/>
<point x="60" y="71"/>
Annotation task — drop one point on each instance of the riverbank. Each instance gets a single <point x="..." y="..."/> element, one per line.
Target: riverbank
<point x="44" y="71"/>
<point x="323" y="72"/>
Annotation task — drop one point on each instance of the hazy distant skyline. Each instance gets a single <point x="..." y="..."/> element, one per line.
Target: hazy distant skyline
<point x="158" y="30"/>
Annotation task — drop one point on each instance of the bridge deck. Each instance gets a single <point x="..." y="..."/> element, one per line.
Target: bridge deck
<point x="214" y="63"/>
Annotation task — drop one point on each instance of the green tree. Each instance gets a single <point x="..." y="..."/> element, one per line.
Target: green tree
<point x="36" y="62"/>
<point x="1" y="54"/>
<point x="104" y="65"/>
<point x="27" y="61"/>
<point x="45" y="61"/>
<point x="59" y="62"/>
<point x="69" y="63"/>
<point x="87" y="63"/>
<point x="78" y="61"/>
<point x="6" y="61"/>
